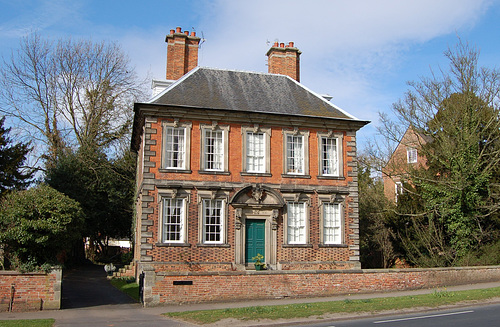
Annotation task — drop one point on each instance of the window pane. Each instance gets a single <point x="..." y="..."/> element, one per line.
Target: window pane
<point x="214" y="150"/>
<point x="294" y="154"/>
<point x="255" y="152"/>
<point x="212" y="221"/>
<point x="174" y="147"/>
<point x="332" y="223"/>
<point x="329" y="156"/>
<point x="296" y="223"/>
<point x="173" y="220"/>
<point x="411" y="155"/>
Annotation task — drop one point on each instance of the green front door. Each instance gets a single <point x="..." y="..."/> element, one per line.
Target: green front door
<point x="255" y="238"/>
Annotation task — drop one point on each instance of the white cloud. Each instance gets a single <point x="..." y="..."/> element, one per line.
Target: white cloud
<point x="348" y="46"/>
<point x="22" y="17"/>
<point x="325" y="27"/>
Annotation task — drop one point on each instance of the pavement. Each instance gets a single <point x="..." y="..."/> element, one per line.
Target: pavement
<point x="88" y="299"/>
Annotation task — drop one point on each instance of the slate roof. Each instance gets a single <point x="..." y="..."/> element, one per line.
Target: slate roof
<point x="247" y="91"/>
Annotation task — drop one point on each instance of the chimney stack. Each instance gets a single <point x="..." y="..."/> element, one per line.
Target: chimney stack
<point x="182" y="52"/>
<point x="284" y="60"/>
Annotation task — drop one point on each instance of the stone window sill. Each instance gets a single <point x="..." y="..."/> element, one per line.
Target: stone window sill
<point x="297" y="245"/>
<point x="181" y="171"/>
<point x="331" y="177"/>
<point x="213" y="172"/>
<point x="223" y="245"/>
<point x="295" y="176"/>
<point x="333" y="245"/>
<point x="256" y="174"/>
<point x="173" y="244"/>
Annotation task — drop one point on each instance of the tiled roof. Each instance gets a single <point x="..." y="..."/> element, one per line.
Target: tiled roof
<point x="247" y="91"/>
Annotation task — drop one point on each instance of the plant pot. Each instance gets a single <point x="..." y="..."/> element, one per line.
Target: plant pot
<point x="258" y="267"/>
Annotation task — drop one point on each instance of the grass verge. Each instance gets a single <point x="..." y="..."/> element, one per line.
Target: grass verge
<point x="127" y="286"/>
<point x="27" y="323"/>
<point x="304" y="310"/>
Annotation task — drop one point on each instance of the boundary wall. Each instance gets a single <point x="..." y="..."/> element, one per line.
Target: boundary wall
<point x="30" y="291"/>
<point x="195" y="287"/>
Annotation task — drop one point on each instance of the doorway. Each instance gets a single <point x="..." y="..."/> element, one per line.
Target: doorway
<point x="255" y="239"/>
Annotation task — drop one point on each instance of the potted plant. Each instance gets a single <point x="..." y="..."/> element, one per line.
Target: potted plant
<point x="259" y="265"/>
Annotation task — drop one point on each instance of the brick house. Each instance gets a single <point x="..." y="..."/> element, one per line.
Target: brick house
<point x="232" y="164"/>
<point x="405" y="156"/>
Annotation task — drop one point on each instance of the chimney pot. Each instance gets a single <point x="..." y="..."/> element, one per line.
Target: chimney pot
<point x="284" y="60"/>
<point x="182" y="53"/>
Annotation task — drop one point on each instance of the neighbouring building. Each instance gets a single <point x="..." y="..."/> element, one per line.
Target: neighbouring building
<point x="406" y="156"/>
<point x="232" y="164"/>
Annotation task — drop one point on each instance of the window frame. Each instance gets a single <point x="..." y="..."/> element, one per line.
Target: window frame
<point x="299" y="226"/>
<point x="182" y="222"/>
<point x="212" y="195"/>
<point x="305" y="153"/>
<point x="186" y="126"/>
<point x="411" y="155"/>
<point x="339" y="219"/>
<point x="220" y="224"/>
<point x="339" y="139"/>
<point x="225" y="148"/>
<point x="296" y="198"/>
<point x="173" y="194"/>
<point x="266" y="131"/>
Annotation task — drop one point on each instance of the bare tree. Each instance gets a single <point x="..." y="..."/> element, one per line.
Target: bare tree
<point x="69" y="93"/>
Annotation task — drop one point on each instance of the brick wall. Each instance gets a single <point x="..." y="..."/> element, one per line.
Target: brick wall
<point x="31" y="291"/>
<point x="205" y="287"/>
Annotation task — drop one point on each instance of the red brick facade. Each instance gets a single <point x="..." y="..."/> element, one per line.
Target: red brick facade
<point x="395" y="172"/>
<point x="198" y="257"/>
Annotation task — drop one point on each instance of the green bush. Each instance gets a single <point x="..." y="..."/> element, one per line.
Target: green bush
<point x="36" y="225"/>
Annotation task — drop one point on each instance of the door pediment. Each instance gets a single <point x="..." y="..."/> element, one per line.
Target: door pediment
<point x="257" y="196"/>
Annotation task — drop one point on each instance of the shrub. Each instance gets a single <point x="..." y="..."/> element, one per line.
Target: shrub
<point x="36" y="225"/>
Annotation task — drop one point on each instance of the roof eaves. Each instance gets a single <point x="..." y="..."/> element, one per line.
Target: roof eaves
<point x="351" y="120"/>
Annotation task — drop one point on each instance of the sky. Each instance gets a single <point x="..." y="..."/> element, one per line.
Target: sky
<point x="361" y="52"/>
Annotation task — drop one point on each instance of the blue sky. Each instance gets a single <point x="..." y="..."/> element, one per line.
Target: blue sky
<point x="361" y="52"/>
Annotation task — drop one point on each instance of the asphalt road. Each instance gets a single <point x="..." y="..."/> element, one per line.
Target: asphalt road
<point x="483" y="315"/>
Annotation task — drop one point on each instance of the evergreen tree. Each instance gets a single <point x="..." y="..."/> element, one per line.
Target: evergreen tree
<point x="13" y="174"/>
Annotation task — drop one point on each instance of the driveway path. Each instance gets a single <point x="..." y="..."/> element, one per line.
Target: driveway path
<point x="87" y="287"/>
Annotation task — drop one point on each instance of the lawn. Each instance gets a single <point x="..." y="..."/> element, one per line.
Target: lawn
<point x="305" y="310"/>
<point x="27" y="323"/>
<point x="127" y="286"/>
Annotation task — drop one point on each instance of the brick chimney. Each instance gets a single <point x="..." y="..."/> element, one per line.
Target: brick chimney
<point x="182" y="52"/>
<point x="284" y="60"/>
